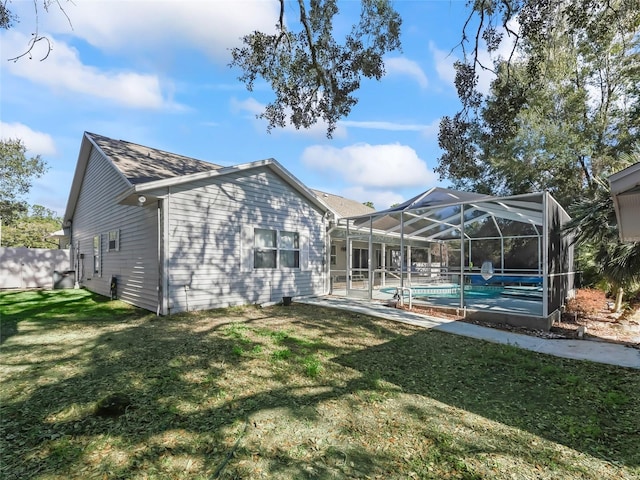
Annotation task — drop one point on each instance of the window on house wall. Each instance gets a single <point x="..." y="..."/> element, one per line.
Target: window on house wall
<point x="114" y="241"/>
<point x="334" y="255"/>
<point x="276" y="249"/>
<point x="96" y="256"/>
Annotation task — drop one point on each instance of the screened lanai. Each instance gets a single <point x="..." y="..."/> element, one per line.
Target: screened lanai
<point x="500" y="257"/>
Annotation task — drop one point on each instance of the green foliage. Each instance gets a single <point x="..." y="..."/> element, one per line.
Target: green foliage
<point x="17" y="173"/>
<point x="312" y="366"/>
<point x="6" y="17"/>
<point x="282" y="354"/>
<point x="368" y="204"/>
<point x="31" y="230"/>
<point x="596" y="234"/>
<point x="313" y="75"/>
<point x="563" y="106"/>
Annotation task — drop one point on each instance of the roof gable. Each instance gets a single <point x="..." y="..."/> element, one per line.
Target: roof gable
<point x="146" y="168"/>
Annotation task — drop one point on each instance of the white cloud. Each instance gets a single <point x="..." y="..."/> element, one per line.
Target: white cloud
<point x="37" y="143"/>
<point x="404" y="66"/>
<point x="377" y="166"/>
<point x="131" y="26"/>
<point x="382" y="199"/>
<point x="65" y="71"/>
<point x="428" y="130"/>
<point x="444" y="64"/>
<point x="252" y="106"/>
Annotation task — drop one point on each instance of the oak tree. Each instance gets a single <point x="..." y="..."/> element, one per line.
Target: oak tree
<point x="564" y="105"/>
<point x="313" y="74"/>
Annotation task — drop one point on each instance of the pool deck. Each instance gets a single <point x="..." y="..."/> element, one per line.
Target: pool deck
<point x="594" y="351"/>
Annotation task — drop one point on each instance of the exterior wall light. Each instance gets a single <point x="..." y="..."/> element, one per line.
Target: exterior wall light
<point x="141" y="199"/>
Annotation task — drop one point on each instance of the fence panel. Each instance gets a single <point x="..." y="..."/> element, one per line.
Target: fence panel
<point x="32" y="267"/>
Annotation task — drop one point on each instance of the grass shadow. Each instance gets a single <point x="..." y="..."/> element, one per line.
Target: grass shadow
<point x="589" y="407"/>
<point x="349" y="400"/>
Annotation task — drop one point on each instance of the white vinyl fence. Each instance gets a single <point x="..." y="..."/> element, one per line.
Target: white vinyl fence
<point x="35" y="268"/>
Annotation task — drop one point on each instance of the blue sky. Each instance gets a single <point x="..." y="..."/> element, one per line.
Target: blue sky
<point x="156" y="73"/>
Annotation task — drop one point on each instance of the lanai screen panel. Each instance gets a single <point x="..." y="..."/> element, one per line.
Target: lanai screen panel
<point x="560" y="258"/>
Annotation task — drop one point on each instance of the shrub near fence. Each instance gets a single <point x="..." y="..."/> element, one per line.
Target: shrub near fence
<point x="34" y="268"/>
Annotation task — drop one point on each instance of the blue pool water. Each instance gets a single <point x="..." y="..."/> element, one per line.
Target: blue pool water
<point x="452" y="290"/>
<point x="449" y="290"/>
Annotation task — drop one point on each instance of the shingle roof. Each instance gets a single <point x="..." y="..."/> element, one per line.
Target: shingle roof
<point x="140" y="164"/>
<point x="344" y="207"/>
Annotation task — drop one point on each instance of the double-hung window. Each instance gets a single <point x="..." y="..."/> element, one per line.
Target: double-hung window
<point x="276" y="249"/>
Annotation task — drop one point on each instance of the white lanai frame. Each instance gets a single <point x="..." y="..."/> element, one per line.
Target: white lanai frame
<point x="441" y="215"/>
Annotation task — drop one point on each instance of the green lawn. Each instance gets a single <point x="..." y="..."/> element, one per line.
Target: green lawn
<point x="294" y="392"/>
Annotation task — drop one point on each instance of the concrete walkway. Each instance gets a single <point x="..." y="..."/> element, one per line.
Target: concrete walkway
<point x="601" y="352"/>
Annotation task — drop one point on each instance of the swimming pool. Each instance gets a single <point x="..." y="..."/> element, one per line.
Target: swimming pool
<point x="449" y="290"/>
<point x="452" y="290"/>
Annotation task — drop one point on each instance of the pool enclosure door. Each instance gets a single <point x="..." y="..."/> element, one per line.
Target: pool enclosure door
<point x="359" y="266"/>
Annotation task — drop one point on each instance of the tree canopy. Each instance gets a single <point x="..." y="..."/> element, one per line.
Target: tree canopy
<point x="312" y="74"/>
<point x="17" y="172"/>
<point x="595" y="229"/>
<point x="565" y="103"/>
<point x="32" y="228"/>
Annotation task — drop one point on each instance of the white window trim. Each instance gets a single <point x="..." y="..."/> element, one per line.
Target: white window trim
<point x="278" y="249"/>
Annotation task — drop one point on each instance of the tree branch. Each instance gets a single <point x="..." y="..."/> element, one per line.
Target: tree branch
<point x="36" y="37"/>
<point x="320" y="74"/>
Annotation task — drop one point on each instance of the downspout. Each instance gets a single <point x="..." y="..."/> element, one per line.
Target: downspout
<point x="166" y="207"/>
<point x="159" y="240"/>
<point x="327" y="255"/>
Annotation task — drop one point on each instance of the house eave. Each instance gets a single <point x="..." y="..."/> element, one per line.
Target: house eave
<point x="131" y="195"/>
<point x="625" y="192"/>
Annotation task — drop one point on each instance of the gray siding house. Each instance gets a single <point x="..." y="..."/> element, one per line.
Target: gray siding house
<point x="180" y="234"/>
